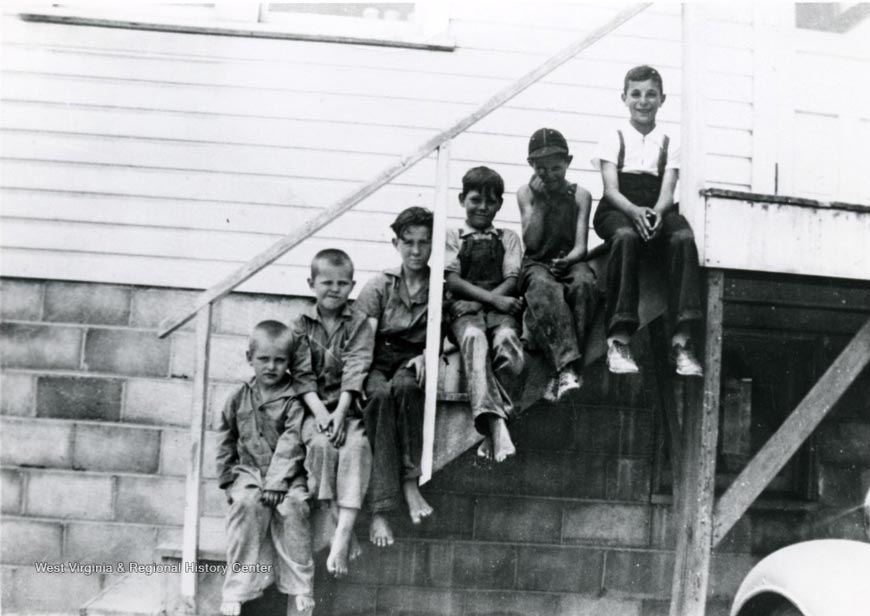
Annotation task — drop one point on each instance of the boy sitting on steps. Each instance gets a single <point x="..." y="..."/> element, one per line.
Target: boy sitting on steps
<point x="639" y="166"/>
<point x="481" y="265"/>
<point x="338" y="458"/>
<point x="558" y="285"/>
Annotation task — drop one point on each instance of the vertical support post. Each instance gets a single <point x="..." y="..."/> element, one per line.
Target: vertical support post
<point x="190" y="539"/>
<point x="670" y="400"/>
<point x="433" y="323"/>
<point x="700" y="431"/>
<point x="693" y="123"/>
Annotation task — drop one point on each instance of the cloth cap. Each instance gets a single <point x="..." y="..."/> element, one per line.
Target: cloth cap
<point x="546" y="141"/>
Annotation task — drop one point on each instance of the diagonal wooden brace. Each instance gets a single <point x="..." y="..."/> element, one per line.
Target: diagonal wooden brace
<point x="791" y="435"/>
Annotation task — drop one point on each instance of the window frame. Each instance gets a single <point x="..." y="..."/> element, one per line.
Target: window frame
<point x="429" y="31"/>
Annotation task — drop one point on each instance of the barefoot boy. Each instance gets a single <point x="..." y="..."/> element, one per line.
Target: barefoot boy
<point x="338" y="458"/>
<point x="259" y="463"/>
<point x="639" y="166"/>
<point x="396" y="302"/>
<point x="558" y="286"/>
<point x="482" y="264"/>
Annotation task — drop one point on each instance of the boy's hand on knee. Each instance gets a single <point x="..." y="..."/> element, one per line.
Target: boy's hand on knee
<point x="335" y="428"/>
<point x="641" y="223"/>
<point x="654" y="221"/>
<point x="272" y="498"/>
<point x="507" y="305"/>
<point x="463" y="307"/>
<point x="559" y="266"/>
<point x="418" y="365"/>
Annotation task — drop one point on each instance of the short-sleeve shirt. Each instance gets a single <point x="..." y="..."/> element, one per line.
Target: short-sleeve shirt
<point x="641" y="151"/>
<point x="385" y="298"/>
<point x="513" y="251"/>
<point x="340" y="360"/>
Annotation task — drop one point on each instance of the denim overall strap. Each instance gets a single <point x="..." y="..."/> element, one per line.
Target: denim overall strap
<point x="620" y="158"/>
<point x="663" y="156"/>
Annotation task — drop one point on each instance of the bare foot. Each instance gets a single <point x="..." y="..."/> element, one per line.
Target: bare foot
<point x="336" y="562"/>
<point x="380" y="532"/>
<point x="304" y="603"/>
<point x="502" y="444"/>
<point x="355" y="550"/>
<point x="485" y="449"/>
<point x="231" y="608"/>
<point x="418" y="508"/>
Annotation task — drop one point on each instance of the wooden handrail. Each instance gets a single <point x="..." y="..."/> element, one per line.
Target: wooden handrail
<point x="329" y="214"/>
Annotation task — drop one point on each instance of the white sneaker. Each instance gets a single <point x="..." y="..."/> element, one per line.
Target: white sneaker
<point x="619" y="359"/>
<point x="551" y="389"/>
<point x="568" y="381"/>
<point x="685" y="361"/>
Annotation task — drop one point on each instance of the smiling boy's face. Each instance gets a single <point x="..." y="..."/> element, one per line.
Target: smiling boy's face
<point x="480" y="209"/>
<point x="643" y="99"/>
<point x="415" y="247"/>
<point x="331" y="285"/>
<point x="269" y="357"/>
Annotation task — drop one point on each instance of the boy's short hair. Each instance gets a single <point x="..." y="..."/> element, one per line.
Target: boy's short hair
<point x="334" y="256"/>
<point x="547" y="141"/>
<point x="411" y="217"/>
<point x="484" y="180"/>
<point x="642" y="73"/>
<point x="270" y="328"/>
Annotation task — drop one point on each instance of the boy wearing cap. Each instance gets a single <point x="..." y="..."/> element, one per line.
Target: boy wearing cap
<point x="639" y="165"/>
<point x="558" y="286"/>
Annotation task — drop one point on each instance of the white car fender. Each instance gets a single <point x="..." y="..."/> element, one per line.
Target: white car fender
<point x="827" y="577"/>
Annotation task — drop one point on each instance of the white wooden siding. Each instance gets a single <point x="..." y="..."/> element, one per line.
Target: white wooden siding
<point x="170" y="159"/>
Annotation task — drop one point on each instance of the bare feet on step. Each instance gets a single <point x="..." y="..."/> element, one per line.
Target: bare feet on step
<point x="303" y="603"/>
<point x="502" y="445"/>
<point x="485" y="449"/>
<point x="418" y="508"/>
<point x="380" y="532"/>
<point x="336" y="562"/>
<point x="231" y="608"/>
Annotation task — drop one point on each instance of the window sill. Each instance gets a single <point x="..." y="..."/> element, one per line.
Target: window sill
<point x="228" y="30"/>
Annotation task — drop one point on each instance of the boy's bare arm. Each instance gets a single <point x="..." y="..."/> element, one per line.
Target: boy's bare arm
<point x="581" y="233"/>
<point x="531" y="218"/>
<point x="665" y="202"/>
<point x="635" y="213"/>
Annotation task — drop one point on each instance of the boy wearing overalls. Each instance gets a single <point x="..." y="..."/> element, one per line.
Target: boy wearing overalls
<point x="481" y="266"/>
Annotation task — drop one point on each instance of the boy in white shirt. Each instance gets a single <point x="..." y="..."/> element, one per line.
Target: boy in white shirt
<point x="639" y="165"/>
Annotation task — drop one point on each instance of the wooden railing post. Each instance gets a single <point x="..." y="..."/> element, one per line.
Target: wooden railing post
<point x="694" y="519"/>
<point x="190" y="540"/>
<point x="433" y="323"/>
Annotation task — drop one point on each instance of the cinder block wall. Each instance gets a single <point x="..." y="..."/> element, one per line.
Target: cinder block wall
<point x="95" y="411"/>
<point x="94" y="426"/>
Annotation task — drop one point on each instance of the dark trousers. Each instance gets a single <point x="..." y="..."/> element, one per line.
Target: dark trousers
<point x="394" y="423"/>
<point x="674" y="246"/>
<point x="559" y="310"/>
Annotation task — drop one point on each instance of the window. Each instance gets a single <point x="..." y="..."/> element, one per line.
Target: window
<point x="413" y="23"/>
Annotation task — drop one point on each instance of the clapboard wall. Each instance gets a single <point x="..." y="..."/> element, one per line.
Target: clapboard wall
<point x="168" y="159"/>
